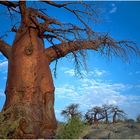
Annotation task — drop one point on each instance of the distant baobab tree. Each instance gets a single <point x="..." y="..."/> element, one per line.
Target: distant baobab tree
<point x="94" y="115"/>
<point x="117" y="114"/>
<point x="29" y="108"/>
<point x="71" y="111"/>
<point x="107" y="111"/>
<point x="89" y="117"/>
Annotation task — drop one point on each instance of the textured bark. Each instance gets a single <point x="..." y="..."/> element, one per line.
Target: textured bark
<point x="29" y="90"/>
<point x="61" y="50"/>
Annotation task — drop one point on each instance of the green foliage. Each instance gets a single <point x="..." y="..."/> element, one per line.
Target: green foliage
<point x="71" y="130"/>
<point x="138" y="118"/>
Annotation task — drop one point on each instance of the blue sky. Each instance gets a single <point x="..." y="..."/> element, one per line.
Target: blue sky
<point x="107" y="81"/>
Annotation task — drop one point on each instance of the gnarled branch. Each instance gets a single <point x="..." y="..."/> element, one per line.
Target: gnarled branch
<point x="5" y="49"/>
<point x="22" y="7"/>
<point x="105" y="45"/>
<point x="61" y="50"/>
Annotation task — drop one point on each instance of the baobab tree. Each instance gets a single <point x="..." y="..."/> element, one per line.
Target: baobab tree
<point x="107" y="110"/>
<point x="94" y="115"/>
<point x="117" y="114"/>
<point x="89" y="117"/>
<point x="71" y="111"/>
<point x="30" y="90"/>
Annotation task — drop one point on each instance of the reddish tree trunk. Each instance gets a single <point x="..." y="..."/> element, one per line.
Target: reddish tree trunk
<point x="95" y="120"/>
<point x="29" y="90"/>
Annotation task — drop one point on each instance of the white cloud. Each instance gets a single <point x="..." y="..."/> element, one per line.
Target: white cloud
<point x="96" y="72"/>
<point x="2" y="99"/>
<point x="3" y="64"/>
<point x="90" y="91"/>
<point x="113" y="8"/>
<point x="133" y="73"/>
<point x="2" y="93"/>
<point x="70" y="72"/>
<point x="67" y="91"/>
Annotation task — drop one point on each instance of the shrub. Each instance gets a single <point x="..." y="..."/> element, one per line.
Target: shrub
<point x="71" y="130"/>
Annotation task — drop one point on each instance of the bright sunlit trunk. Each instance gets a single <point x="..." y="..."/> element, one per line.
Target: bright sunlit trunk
<point x="30" y="90"/>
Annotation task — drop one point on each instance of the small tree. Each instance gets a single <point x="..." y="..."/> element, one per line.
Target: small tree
<point x="118" y="114"/>
<point x="94" y="115"/>
<point x="98" y="115"/>
<point x="107" y="111"/>
<point x="89" y="117"/>
<point x="71" y="111"/>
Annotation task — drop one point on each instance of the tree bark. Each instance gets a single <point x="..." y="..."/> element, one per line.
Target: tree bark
<point x="95" y="120"/>
<point x="29" y="108"/>
<point x="106" y="117"/>
<point x="61" y="50"/>
<point x="114" y="117"/>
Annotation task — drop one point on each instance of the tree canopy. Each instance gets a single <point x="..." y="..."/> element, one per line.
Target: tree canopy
<point x="66" y="37"/>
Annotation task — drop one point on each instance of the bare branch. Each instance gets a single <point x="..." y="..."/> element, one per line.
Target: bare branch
<point x="72" y="38"/>
<point x="9" y="4"/>
<point x="105" y="45"/>
<point x="5" y="49"/>
<point x="44" y="17"/>
<point x="88" y="11"/>
<point x="61" y="50"/>
<point x="59" y="5"/>
<point x="22" y="7"/>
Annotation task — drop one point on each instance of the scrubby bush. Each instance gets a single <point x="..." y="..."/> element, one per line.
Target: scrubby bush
<point x="71" y="130"/>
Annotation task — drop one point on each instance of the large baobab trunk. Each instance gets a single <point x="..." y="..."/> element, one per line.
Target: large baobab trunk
<point x="30" y="91"/>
